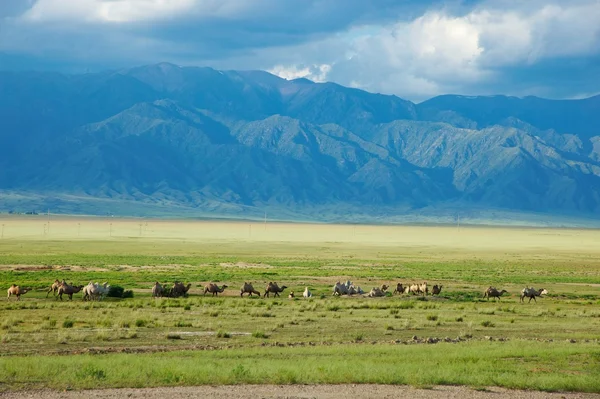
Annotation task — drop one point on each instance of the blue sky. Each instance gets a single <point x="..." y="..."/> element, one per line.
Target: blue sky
<point x="415" y="49"/>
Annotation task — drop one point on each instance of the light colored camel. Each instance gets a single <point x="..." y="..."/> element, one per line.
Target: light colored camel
<point x="68" y="290"/>
<point x="17" y="291"/>
<point x="273" y="288"/>
<point x="492" y="292"/>
<point x="247" y="288"/>
<point x="214" y="289"/>
<point x="306" y="293"/>
<point x="531" y="293"/>
<point x="291" y="295"/>
<point x="157" y="290"/>
<point x="95" y="291"/>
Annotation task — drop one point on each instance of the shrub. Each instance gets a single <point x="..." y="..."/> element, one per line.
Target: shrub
<point x="68" y="323"/>
<point x="432" y="317"/>
<point x="173" y="336"/>
<point x="487" y="323"/>
<point x="116" y="291"/>
<point x="140" y="323"/>
<point x="223" y="334"/>
<point x="259" y="334"/>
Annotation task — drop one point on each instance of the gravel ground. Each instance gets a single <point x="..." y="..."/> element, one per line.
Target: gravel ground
<point x="299" y="391"/>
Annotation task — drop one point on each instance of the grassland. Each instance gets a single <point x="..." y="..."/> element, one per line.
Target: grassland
<point x="457" y="338"/>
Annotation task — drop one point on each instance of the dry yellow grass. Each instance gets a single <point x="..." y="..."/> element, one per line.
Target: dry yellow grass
<point x="420" y="241"/>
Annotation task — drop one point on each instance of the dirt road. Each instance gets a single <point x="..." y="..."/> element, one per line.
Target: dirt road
<point x="298" y="392"/>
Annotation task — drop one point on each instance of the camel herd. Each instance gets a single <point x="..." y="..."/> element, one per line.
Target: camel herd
<point x="527" y="292"/>
<point x="95" y="291"/>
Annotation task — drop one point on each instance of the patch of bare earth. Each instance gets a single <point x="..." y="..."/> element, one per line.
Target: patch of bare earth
<point x="299" y="391"/>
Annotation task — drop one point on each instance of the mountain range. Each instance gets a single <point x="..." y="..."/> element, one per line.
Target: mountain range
<point x="169" y="140"/>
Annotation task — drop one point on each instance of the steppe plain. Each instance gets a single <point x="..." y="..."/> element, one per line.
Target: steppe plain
<point x="454" y="339"/>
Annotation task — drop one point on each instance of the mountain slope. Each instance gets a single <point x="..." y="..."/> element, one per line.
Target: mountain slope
<point x="196" y="137"/>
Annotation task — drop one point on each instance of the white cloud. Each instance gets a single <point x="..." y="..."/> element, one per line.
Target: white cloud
<point x="131" y="10"/>
<point x="316" y="73"/>
<point x="439" y="53"/>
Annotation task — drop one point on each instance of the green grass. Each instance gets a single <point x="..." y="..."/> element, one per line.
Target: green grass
<point x="277" y="340"/>
<point x="512" y="365"/>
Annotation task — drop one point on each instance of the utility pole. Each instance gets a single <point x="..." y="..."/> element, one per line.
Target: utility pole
<point x="78" y="229"/>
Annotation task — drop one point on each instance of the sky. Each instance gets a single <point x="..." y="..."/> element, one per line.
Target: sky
<point x="415" y="49"/>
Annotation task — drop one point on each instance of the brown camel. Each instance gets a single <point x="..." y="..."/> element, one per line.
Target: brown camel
<point x="273" y="288"/>
<point x="436" y="289"/>
<point x="214" y="289"/>
<point x="531" y="293"/>
<point x="17" y="291"/>
<point x="54" y="287"/>
<point x="69" y="290"/>
<point x="247" y="288"/>
<point x="492" y="292"/>
<point x="179" y="289"/>
<point x="399" y="289"/>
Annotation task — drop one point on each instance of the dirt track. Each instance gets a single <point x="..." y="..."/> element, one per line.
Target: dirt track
<point x="299" y="391"/>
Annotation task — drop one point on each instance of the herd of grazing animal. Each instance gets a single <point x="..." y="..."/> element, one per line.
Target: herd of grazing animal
<point x="95" y="291"/>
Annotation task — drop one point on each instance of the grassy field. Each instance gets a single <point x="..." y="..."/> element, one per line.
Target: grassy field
<point x="456" y="338"/>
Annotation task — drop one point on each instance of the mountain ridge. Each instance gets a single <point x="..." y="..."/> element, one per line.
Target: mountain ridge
<point x="189" y="136"/>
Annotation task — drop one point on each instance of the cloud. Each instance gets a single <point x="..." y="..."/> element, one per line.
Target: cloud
<point x="316" y="73"/>
<point x="412" y="48"/>
<point x="440" y="53"/>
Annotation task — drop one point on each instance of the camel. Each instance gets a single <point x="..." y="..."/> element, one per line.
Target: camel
<point x="376" y="292"/>
<point x="355" y="290"/>
<point x="157" y="290"/>
<point x="69" y="290"/>
<point x="17" y="291"/>
<point x="436" y="289"/>
<point x="399" y="289"/>
<point x="214" y="289"/>
<point x="95" y="291"/>
<point x="306" y="293"/>
<point x="54" y="287"/>
<point x="531" y="293"/>
<point x="273" y="288"/>
<point x="418" y="289"/>
<point x="341" y="289"/>
<point x="179" y="289"/>
<point x="492" y="292"/>
<point x="247" y="288"/>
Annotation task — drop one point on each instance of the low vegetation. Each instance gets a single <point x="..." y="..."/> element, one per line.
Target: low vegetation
<point x="456" y="336"/>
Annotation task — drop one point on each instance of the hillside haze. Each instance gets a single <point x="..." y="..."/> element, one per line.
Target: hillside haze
<point x="169" y="140"/>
